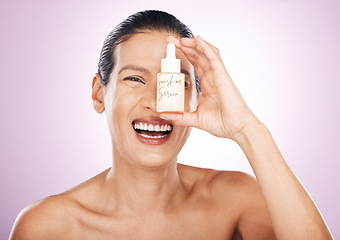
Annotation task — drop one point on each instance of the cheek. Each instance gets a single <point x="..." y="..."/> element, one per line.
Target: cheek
<point x="183" y="135"/>
<point x="186" y="134"/>
<point x="122" y="104"/>
<point x="117" y="106"/>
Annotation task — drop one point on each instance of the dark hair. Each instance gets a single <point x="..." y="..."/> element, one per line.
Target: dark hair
<point x="151" y="20"/>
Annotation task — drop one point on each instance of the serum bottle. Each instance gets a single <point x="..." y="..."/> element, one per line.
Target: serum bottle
<point x="170" y="83"/>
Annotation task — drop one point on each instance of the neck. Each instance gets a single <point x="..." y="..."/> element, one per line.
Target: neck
<point x="141" y="189"/>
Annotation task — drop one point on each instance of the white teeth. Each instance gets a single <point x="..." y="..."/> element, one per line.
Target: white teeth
<point x="148" y="136"/>
<point x="145" y="127"/>
<point x="151" y="127"/>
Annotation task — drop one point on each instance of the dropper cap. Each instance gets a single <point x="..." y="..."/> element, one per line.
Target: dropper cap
<point x="171" y="64"/>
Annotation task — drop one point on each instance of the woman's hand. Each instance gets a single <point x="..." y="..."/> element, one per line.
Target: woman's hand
<point x="221" y="110"/>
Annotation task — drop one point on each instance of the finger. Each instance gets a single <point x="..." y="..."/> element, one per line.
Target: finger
<point x="188" y="47"/>
<point x="202" y="65"/>
<point x="174" y="40"/>
<point x="210" y="52"/>
<point x="192" y="42"/>
<point x="212" y="46"/>
<point x="185" y="119"/>
<point x="204" y="49"/>
<point x="189" y="42"/>
<point x="198" y="69"/>
<point x="192" y="59"/>
<point x="197" y="58"/>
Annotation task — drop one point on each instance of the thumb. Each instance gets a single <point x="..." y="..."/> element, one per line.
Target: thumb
<point x="185" y="119"/>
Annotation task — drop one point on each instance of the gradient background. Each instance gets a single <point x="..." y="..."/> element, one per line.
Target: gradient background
<point x="282" y="55"/>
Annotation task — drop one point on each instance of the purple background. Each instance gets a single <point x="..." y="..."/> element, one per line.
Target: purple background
<point x="282" y="55"/>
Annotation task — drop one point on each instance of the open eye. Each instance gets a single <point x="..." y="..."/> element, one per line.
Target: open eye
<point x="187" y="84"/>
<point x="133" y="79"/>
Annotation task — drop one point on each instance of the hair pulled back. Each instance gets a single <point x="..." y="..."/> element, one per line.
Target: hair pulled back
<point x="149" y="20"/>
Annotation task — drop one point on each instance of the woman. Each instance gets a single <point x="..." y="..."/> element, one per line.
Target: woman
<point x="146" y="194"/>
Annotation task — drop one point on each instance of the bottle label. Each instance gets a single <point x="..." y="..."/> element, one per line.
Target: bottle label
<point x="170" y="92"/>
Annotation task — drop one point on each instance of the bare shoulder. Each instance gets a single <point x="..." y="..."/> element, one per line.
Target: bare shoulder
<point x="237" y="194"/>
<point x="226" y="186"/>
<point x="220" y="182"/>
<point x="57" y="216"/>
<point x="251" y="210"/>
<point x="45" y="219"/>
<point x="236" y="184"/>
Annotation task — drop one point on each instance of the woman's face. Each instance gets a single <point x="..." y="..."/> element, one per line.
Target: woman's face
<point x="130" y="102"/>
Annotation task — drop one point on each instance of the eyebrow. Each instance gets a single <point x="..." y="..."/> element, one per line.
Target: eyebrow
<point x="141" y="69"/>
<point x="134" y="67"/>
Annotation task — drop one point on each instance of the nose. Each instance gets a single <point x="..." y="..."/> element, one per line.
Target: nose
<point x="149" y="98"/>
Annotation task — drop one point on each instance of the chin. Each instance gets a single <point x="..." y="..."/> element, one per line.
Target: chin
<point x="150" y="160"/>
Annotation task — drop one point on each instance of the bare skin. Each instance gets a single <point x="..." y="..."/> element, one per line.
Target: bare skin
<point x="210" y="207"/>
<point x="146" y="194"/>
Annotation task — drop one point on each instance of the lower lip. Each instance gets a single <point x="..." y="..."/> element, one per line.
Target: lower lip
<point x="152" y="141"/>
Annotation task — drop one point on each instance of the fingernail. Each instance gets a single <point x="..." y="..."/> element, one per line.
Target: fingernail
<point x="164" y="117"/>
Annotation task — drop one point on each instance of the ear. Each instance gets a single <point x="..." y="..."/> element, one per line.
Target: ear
<point x="97" y="94"/>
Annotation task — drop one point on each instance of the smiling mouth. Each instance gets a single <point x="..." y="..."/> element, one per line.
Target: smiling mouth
<point x="152" y="131"/>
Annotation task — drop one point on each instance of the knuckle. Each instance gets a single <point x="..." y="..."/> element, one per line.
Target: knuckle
<point x="196" y="55"/>
<point x="195" y="65"/>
